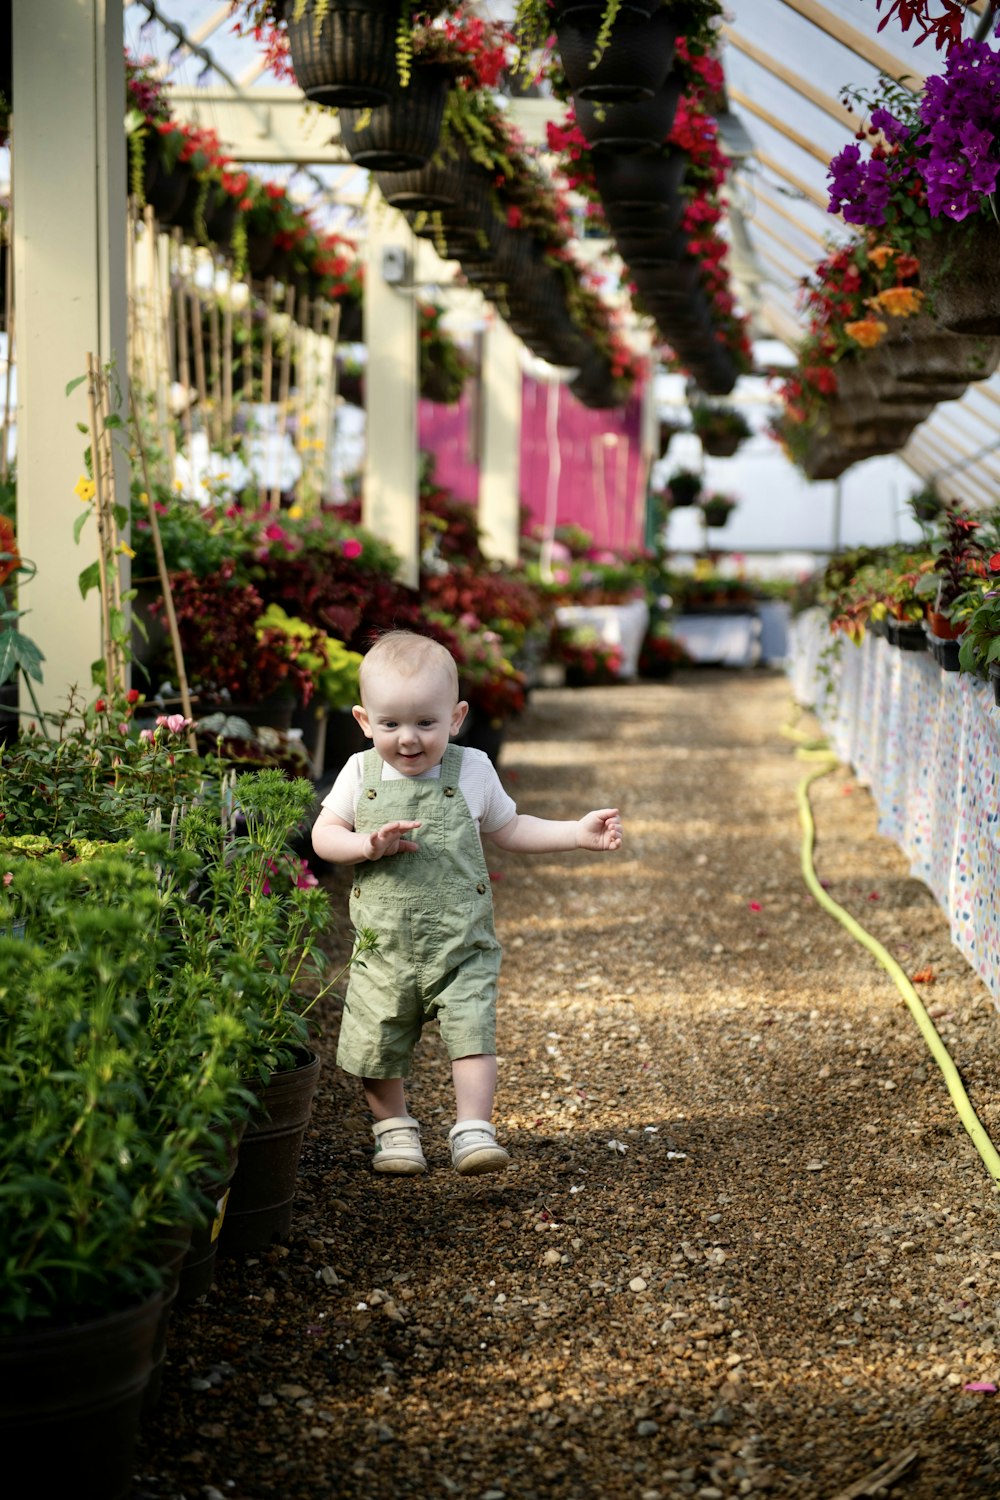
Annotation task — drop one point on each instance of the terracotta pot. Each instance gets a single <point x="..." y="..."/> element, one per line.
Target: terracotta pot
<point x="942" y="627"/>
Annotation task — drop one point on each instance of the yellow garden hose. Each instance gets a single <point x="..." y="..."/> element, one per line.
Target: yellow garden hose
<point x="813" y="750"/>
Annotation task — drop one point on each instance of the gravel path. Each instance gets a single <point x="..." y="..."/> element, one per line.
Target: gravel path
<point x="745" y="1246"/>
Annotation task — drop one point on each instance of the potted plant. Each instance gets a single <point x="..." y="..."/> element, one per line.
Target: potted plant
<point x="978" y="612"/>
<point x="959" y="559"/>
<point x="443" y="367"/>
<point x="684" y="487"/>
<point x="107" y="1126"/>
<point x="716" y="508"/>
<point x="588" y="660"/>
<point x="256" y="932"/>
<point x="721" y="428"/>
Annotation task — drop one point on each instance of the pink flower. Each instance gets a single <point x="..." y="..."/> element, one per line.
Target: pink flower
<point x="177" y="723"/>
<point x="755" y="906"/>
<point x="8" y="877"/>
<point x="351" y="547"/>
<point x="148" y="735"/>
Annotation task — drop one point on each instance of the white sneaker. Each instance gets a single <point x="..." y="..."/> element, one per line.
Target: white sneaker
<point x="397" y="1147"/>
<point x="474" y="1148"/>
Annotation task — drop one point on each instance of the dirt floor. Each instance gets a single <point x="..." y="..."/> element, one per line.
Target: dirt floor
<point x="745" y="1245"/>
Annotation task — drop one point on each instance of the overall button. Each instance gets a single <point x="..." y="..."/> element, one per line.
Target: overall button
<point x="449" y="791"/>
<point x="481" y="889"/>
<point x="371" y="794"/>
<point x="357" y="890"/>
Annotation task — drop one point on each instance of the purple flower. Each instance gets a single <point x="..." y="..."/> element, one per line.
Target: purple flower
<point x="860" y="190"/>
<point x="894" y="130"/>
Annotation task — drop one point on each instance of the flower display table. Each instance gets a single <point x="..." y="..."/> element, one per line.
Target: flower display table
<point x="622" y="625"/>
<point x="927" y="744"/>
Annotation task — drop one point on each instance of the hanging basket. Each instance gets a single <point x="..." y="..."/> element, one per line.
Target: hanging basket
<point x="425" y="189"/>
<point x="715" y="372"/>
<point x="647" y="181"/>
<point x="349" y="60"/>
<point x="634" y="63"/>
<point x="403" y="133"/>
<point x="920" y="351"/>
<point x="960" y="272"/>
<point x="595" y="386"/>
<point x="716" y="515"/>
<point x="640" y="126"/>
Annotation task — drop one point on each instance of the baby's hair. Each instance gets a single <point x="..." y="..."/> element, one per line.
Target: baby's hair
<point x="407" y="653"/>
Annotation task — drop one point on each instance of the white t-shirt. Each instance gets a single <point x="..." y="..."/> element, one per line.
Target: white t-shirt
<point x="489" y="804"/>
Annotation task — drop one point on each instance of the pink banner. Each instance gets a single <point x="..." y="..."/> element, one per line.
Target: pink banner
<point x="598" y="479"/>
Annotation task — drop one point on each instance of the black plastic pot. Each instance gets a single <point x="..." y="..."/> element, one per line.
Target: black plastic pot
<point x="71" y="1398"/>
<point x="640" y="126"/>
<point x="403" y="133"/>
<point x="633" y="65"/>
<point x="349" y="60"/>
<point x="259" y="1210"/>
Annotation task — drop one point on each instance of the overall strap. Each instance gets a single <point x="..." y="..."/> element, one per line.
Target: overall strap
<point x="372" y="770"/>
<point x="451" y="767"/>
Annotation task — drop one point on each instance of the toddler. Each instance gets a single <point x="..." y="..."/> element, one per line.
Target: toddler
<point x="410" y="815"/>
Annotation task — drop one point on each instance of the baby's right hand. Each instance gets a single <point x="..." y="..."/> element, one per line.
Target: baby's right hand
<point x="388" y="840"/>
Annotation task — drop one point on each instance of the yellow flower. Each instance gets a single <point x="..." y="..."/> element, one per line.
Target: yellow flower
<point x="867" y="332"/>
<point x="179" y="485"/>
<point x="899" y="301"/>
<point x="125" y="549"/>
<point x="143" y="498"/>
<point x="295" y="513"/>
<point x="85" y="488"/>
<point x="880" y="254"/>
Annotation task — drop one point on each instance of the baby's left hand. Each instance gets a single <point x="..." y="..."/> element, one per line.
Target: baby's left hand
<point x="601" y="831"/>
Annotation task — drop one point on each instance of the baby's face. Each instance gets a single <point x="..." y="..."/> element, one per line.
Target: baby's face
<point x="410" y="719"/>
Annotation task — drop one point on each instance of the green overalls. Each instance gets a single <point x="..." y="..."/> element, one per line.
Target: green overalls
<point x="438" y="954"/>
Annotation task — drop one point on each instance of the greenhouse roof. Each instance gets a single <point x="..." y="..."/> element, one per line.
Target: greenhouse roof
<point x="787" y="65"/>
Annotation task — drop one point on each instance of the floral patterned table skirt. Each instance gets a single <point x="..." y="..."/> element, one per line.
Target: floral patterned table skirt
<point x="927" y="743"/>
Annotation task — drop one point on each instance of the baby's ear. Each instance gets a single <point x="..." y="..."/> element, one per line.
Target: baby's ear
<point x="458" y="716"/>
<point x="362" y="718"/>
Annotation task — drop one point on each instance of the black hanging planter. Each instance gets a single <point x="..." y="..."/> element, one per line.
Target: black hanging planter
<point x="349" y="60"/>
<point x="426" y="189"/>
<point x="403" y="133"/>
<point x="640" y="126"/>
<point x="633" y="65"/>
<point x="595" y="385"/>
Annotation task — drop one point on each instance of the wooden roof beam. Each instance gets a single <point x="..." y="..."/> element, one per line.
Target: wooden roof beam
<point x="799" y="184"/>
<point x="795" y="136"/>
<point x="783" y="213"/>
<point x="857" y="41"/>
<point x="796" y="81"/>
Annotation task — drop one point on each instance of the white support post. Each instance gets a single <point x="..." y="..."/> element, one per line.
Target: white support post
<point x="70" y="292"/>
<point x="390" y="507"/>
<point x="499" y="474"/>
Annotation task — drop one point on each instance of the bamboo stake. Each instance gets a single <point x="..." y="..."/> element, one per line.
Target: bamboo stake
<point x="102" y="555"/>
<point x="286" y="362"/>
<point x="161" y="568"/>
<point x="267" y="352"/>
<point x="183" y="355"/>
<point x="227" y="377"/>
<point x="215" y="369"/>
<point x="248" y="350"/>
<point x="110" y="523"/>
<point x="198" y="344"/>
<point x="163" y="351"/>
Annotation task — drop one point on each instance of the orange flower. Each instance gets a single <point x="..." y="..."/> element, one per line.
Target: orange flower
<point x="867" y="332"/>
<point x="880" y="254"/>
<point x="8" y="544"/>
<point x="899" y="301"/>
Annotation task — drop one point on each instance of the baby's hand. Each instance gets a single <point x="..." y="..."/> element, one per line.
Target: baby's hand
<point x="600" y="831"/>
<point x="388" y="840"/>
